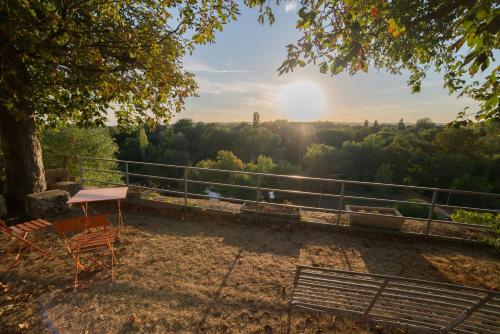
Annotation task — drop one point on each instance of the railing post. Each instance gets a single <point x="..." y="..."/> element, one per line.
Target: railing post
<point x="127" y="179"/>
<point x="431" y="211"/>
<point x="185" y="188"/>
<point x="257" y="197"/>
<point x="80" y="167"/>
<point x="341" y="201"/>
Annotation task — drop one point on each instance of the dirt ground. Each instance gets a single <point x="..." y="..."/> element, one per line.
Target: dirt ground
<point x="202" y="274"/>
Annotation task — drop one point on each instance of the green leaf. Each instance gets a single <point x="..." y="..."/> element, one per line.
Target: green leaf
<point x="323" y="68"/>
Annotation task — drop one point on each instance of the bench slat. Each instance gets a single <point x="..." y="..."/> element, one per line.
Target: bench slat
<point x="422" y="304"/>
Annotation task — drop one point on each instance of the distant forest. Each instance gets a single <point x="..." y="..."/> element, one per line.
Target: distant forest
<point x="422" y="154"/>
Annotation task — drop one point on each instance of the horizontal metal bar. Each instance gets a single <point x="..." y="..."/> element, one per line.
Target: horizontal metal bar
<point x="308" y="208"/>
<point x="222" y="184"/>
<point x="392" y="285"/>
<point x="132" y="162"/>
<point x="156" y="177"/>
<point x="136" y="186"/>
<point x="418" y="297"/>
<point x="452" y="222"/>
<point x="293" y="192"/>
<point x="398" y="279"/>
<point x="385" y="200"/>
<point x="467" y="208"/>
<point x="299" y="177"/>
<point x="108" y="171"/>
<point x="299" y="192"/>
<point x="221" y="197"/>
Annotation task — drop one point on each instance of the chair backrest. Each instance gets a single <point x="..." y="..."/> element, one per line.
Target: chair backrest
<point x="80" y="224"/>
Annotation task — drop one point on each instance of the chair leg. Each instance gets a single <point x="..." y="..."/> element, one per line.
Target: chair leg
<point x="112" y="268"/>
<point x="113" y="260"/>
<point x="18" y="255"/>
<point x="77" y="265"/>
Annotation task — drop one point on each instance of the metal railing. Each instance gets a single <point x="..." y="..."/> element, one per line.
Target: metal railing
<point x="430" y="306"/>
<point x="342" y="195"/>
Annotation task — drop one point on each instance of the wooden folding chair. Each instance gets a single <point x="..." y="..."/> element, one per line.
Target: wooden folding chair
<point x="19" y="234"/>
<point x="98" y="236"/>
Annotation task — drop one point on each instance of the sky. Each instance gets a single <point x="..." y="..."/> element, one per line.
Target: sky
<point x="237" y="76"/>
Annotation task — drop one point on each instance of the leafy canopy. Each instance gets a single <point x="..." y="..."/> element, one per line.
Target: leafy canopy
<point x="456" y="37"/>
<point x="61" y="146"/>
<point x="72" y="60"/>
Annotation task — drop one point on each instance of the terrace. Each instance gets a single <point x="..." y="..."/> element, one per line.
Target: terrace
<point x="190" y="264"/>
<point x="204" y="273"/>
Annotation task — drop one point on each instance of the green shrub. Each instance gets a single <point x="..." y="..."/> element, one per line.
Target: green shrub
<point x="416" y="209"/>
<point x="473" y="217"/>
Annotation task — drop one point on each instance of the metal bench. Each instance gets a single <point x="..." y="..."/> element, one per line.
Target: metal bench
<point x="427" y="306"/>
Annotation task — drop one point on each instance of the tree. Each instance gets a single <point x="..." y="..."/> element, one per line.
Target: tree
<point x="401" y="125"/>
<point x="318" y="160"/>
<point x="255" y="142"/>
<point x="256" y="120"/>
<point x="61" y="146"/>
<point x="262" y="165"/>
<point x="70" y="62"/>
<point x="333" y="137"/>
<point x="384" y="174"/>
<point x="424" y="123"/>
<point x="351" y="35"/>
<point x="462" y="141"/>
<point x="366" y="124"/>
<point x="143" y="143"/>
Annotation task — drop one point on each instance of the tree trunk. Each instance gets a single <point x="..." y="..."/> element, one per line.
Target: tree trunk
<point x="24" y="171"/>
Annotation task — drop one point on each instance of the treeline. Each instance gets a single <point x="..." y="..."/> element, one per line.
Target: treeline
<point x="422" y="154"/>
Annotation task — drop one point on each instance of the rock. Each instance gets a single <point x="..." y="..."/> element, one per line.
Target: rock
<point x="3" y="206"/>
<point x="54" y="175"/>
<point x="46" y="203"/>
<point x="71" y="187"/>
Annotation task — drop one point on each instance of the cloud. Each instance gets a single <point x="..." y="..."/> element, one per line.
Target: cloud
<point x="207" y="86"/>
<point x="233" y="100"/>
<point x="205" y="68"/>
<point x="290" y="6"/>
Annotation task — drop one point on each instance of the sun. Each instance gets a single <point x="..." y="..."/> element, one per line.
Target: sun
<point x="302" y="101"/>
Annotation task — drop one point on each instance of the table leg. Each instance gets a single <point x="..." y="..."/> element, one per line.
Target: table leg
<point x="85" y="210"/>
<point x="120" y="218"/>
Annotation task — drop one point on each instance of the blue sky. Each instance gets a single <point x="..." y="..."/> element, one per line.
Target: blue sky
<point x="237" y="76"/>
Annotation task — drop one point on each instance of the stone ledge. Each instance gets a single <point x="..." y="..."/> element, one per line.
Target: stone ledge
<point x="46" y="203"/>
<point x="71" y="187"/>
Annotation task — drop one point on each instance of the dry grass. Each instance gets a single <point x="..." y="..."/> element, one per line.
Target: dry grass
<point x="210" y="276"/>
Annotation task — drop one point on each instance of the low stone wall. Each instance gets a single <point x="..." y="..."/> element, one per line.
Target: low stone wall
<point x="46" y="203"/>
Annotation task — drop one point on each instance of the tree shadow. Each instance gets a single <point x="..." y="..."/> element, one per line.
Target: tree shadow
<point x="217" y="294"/>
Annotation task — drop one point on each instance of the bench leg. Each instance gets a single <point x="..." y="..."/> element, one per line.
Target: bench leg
<point x="289" y="321"/>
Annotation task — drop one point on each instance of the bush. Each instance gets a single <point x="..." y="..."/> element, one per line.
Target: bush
<point x="416" y="209"/>
<point x="473" y="217"/>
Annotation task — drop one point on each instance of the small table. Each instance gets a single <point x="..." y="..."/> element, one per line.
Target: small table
<point x="86" y="196"/>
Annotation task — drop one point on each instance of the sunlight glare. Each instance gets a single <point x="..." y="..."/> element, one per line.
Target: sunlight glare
<point x="302" y="101"/>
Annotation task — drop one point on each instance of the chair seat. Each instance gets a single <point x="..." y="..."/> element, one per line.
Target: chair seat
<point x="30" y="226"/>
<point x="93" y="241"/>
